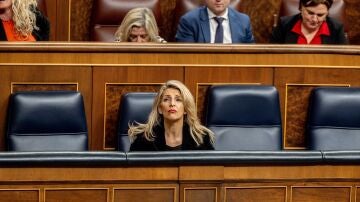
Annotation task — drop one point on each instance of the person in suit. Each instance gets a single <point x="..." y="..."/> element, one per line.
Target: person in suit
<point x="22" y="21"/>
<point x="139" y="25"/>
<point x="202" y="24"/>
<point x="172" y="124"/>
<point x="311" y="26"/>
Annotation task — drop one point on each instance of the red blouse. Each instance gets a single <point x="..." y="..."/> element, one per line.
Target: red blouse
<point x="11" y="35"/>
<point x="323" y="30"/>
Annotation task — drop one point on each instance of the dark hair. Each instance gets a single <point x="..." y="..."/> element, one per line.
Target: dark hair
<point x="309" y="3"/>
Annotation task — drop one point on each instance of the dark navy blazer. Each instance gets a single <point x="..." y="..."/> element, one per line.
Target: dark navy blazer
<point x="282" y="34"/>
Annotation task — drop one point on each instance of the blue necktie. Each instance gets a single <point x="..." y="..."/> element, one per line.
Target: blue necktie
<point x="219" y="34"/>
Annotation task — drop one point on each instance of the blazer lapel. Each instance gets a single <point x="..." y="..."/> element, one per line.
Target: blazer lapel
<point x="205" y="25"/>
<point x="233" y="25"/>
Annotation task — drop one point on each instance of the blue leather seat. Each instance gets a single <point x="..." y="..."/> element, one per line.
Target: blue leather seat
<point x="47" y="121"/>
<point x="135" y="107"/>
<point x="334" y="119"/>
<point x="244" y="117"/>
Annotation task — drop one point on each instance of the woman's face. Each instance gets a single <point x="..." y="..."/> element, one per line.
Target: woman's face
<point x="138" y="34"/>
<point x="314" y="16"/>
<point x="172" y="105"/>
<point x="5" y="4"/>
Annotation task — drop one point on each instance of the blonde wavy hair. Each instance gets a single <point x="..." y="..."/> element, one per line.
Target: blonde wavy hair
<point x="138" y="17"/>
<point x="197" y="131"/>
<point x="24" y="17"/>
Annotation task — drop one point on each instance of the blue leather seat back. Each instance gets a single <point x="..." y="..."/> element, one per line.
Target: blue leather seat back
<point x="334" y="119"/>
<point x="134" y="107"/>
<point x="47" y="121"/>
<point x="244" y="117"/>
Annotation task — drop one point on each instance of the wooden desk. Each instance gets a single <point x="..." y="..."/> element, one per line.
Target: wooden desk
<point x="198" y="176"/>
<point x="185" y="183"/>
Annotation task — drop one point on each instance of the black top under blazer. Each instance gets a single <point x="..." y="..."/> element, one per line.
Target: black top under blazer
<point x="282" y="34"/>
<point x="159" y="144"/>
<point x="40" y="35"/>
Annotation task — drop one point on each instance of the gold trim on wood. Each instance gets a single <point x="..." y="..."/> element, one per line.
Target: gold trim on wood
<point x="286" y="106"/>
<point x="178" y="65"/>
<point x="43" y="83"/>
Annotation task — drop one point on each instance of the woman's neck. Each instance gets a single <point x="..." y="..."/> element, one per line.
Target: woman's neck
<point x="309" y="33"/>
<point x="6" y="14"/>
<point x="173" y="133"/>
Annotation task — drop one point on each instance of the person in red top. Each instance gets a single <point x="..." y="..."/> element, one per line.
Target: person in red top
<point x="22" y="21"/>
<point x="311" y="26"/>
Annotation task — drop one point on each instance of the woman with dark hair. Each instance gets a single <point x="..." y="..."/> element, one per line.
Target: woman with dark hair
<point x="311" y="26"/>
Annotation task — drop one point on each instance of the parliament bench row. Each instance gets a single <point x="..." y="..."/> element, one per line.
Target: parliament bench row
<point x="177" y="158"/>
<point x="243" y="117"/>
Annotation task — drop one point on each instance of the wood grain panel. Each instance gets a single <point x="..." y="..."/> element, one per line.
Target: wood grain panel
<point x="113" y="94"/>
<point x="80" y="19"/>
<point x="297" y="101"/>
<point x="321" y="194"/>
<point x="251" y="182"/>
<point x="65" y="195"/>
<point x="245" y="194"/>
<point x="128" y="76"/>
<point x="63" y="20"/>
<point x="16" y="87"/>
<point x="295" y="172"/>
<point x="18" y="195"/>
<point x="261" y="14"/>
<point x="154" y="194"/>
<point x="199" y="194"/>
<point x="51" y="15"/>
<point x="353" y="17"/>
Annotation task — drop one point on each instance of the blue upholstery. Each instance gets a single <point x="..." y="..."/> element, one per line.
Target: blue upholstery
<point x="134" y="107"/>
<point x="47" y="121"/>
<point x="244" y="117"/>
<point x="334" y="119"/>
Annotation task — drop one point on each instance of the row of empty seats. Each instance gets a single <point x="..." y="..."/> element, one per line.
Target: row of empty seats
<point x="243" y="117"/>
<point x="108" y="14"/>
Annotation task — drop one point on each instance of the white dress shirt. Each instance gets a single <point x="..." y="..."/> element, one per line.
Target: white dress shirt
<point x="214" y="24"/>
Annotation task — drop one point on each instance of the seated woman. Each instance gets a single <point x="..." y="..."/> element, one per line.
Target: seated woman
<point x="22" y="21"/>
<point x="172" y="123"/>
<point x="311" y="26"/>
<point x="139" y="25"/>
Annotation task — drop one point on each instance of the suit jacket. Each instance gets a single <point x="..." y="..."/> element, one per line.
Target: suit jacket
<point x="194" y="26"/>
<point x="282" y="34"/>
<point x="159" y="144"/>
<point x="40" y="35"/>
